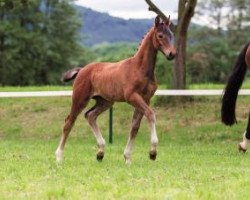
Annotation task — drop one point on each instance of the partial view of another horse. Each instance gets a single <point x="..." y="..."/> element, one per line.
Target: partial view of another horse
<point x="131" y="80"/>
<point x="231" y="92"/>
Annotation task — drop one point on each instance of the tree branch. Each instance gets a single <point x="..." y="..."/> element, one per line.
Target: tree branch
<point x="187" y="15"/>
<point x="154" y="8"/>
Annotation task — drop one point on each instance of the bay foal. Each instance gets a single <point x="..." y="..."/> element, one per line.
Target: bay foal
<point x="131" y="80"/>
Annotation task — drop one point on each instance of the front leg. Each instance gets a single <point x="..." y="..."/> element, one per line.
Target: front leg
<point x="136" y="121"/>
<point x="139" y="103"/>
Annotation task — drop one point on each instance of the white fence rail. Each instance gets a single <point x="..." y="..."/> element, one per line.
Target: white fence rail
<point x="158" y="93"/>
<point x="206" y="92"/>
<point x="36" y="94"/>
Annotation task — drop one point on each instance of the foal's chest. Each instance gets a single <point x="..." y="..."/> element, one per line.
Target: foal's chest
<point x="149" y="88"/>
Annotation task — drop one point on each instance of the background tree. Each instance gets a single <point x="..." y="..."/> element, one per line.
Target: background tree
<point x="213" y="49"/>
<point x="214" y="10"/>
<point x="185" y="13"/>
<point x="38" y="40"/>
<point x="18" y="32"/>
<point x="210" y="53"/>
<point x="238" y="23"/>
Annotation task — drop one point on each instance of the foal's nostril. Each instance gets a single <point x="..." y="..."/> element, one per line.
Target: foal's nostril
<point x="170" y="56"/>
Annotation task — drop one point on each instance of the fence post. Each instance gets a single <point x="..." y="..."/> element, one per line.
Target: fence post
<point x="111" y="125"/>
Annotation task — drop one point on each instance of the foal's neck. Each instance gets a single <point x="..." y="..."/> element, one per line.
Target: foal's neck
<point x="146" y="54"/>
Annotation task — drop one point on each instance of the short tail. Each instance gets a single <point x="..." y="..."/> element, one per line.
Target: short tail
<point x="71" y="74"/>
<point x="231" y="91"/>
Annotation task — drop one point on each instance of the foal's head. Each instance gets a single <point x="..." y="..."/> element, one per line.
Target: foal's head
<point x="164" y="38"/>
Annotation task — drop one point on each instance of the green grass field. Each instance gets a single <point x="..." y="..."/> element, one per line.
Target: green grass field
<point x="197" y="155"/>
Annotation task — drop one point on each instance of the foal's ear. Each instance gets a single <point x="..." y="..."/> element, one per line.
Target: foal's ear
<point x="168" y="22"/>
<point x="157" y="20"/>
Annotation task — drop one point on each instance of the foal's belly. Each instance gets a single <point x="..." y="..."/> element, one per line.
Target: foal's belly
<point x="109" y="82"/>
<point x="109" y="91"/>
<point x="117" y="91"/>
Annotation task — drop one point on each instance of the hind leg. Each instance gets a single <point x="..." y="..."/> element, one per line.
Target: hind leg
<point x="69" y="122"/>
<point x="246" y="137"/>
<point x="78" y="104"/>
<point x="91" y="115"/>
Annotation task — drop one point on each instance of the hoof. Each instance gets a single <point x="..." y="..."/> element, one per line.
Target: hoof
<point x="127" y="161"/>
<point x="241" y="149"/>
<point x="99" y="156"/>
<point x="59" y="160"/>
<point x="152" y="155"/>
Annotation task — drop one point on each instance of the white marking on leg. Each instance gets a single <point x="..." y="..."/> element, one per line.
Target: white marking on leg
<point x="244" y="142"/>
<point x="128" y="150"/>
<point x="137" y="116"/>
<point x="59" y="152"/>
<point x="91" y="117"/>
<point x="100" y="141"/>
<point x="98" y="136"/>
<point x="154" y="138"/>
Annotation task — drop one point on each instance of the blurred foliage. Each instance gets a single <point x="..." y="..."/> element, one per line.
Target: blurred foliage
<point x="210" y="58"/>
<point x="213" y="51"/>
<point x="106" y="52"/>
<point x="38" y="40"/>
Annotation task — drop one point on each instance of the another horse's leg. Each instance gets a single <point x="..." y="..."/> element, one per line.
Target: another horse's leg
<point x="133" y="132"/>
<point x="138" y="102"/>
<point x="246" y="137"/>
<point x="91" y="115"/>
<point x="78" y="104"/>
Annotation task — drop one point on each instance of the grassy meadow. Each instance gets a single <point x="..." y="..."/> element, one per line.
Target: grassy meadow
<point x="197" y="155"/>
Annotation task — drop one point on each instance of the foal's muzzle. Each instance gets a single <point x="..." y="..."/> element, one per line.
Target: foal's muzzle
<point x="170" y="56"/>
<point x="170" y="53"/>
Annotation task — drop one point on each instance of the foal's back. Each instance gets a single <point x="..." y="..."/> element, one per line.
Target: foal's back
<point x="108" y="80"/>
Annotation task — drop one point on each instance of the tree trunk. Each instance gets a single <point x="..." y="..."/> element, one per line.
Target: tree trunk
<point x="2" y="12"/>
<point x="185" y="13"/>
<point x="1" y="46"/>
<point x="179" y="78"/>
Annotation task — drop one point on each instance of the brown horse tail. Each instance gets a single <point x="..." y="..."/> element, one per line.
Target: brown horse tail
<point x="71" y="74"/>
<point x="231" y="91"/>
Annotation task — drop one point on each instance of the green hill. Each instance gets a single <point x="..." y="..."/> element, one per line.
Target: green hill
<point x="102" y="28"/>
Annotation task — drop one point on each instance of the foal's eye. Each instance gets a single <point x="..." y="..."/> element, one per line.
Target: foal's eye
<point x="160" y="36"/>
